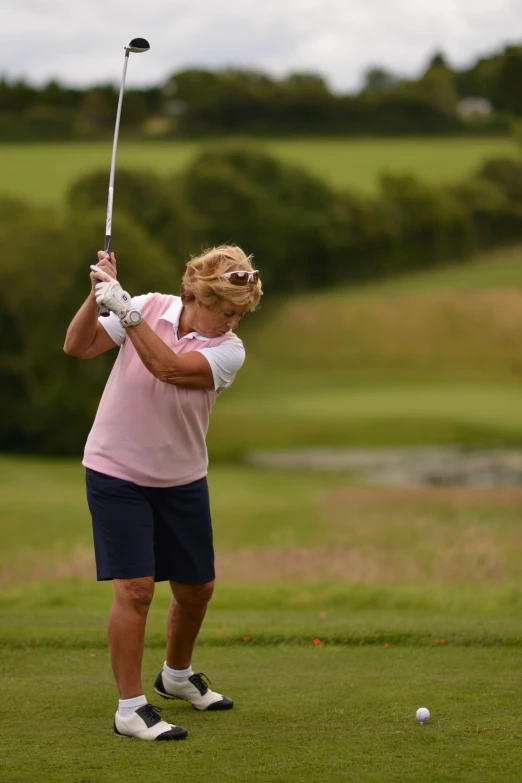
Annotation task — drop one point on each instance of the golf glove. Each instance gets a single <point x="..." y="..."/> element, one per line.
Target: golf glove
<point x="110" y="293"/>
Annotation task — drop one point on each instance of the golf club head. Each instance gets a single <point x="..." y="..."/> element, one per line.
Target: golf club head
<point x="138" y="45"/>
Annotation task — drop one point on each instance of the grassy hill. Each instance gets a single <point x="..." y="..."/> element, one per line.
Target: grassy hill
<point x="434" y="357"/>
<point x="461" y="323"/>
<point x="44" y="172"/>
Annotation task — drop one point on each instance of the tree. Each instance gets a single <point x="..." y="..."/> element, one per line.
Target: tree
<point x="44" y="277"/>
<point x="480" y="80"/>
<point x="377" y="79"/>
<point x="507" y="93"/>
<point x="295" y="225"/>
<point x="135" y="109"/>
<point x="148" y="200"/>
<point x="438" y="60"/>
<point x="53" y="94"/>
<point x="97" y="109"/>
<point x="437" y="86"/>
<point x="431" y="223"/>
<point x="300" y="102"/>
<point x="16" y="96"/>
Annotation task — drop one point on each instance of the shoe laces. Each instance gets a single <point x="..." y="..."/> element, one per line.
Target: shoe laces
<point x="151" y="712"/>
<point x="198" y="679"/>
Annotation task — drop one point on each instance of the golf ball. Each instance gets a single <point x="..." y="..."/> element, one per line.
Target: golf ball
<point x="422" y="714"/>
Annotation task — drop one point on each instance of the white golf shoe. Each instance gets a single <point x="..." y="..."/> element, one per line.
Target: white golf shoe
<point x="194" y="690"/>
<point x="146" y="724"/>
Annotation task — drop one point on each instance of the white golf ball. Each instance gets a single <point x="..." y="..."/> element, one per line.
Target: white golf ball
<point x="422" y="714"/>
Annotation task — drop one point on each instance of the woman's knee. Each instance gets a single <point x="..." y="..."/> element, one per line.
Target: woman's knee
<point x="137" y="593"/>
<point x="192" y="596"/>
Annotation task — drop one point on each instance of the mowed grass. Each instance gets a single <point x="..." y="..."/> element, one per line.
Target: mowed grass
<point x="321" y="714"/>
<point x="425" y="613"/>
<point x="44" y="172"/>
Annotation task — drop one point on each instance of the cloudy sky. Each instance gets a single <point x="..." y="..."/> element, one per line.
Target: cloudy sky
<point x="81" y="41"/>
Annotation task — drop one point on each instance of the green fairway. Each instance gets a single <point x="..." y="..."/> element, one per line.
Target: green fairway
<point x="72" y="614"/>
<point x="339" y="611"/>
<point x="324" y="714"/>
<point x="339" y="709"/>
<point x="43" y="172"/>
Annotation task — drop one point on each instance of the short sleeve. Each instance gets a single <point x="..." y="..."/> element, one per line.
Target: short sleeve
<point x="225" y="360"/>
<point x="111" y="323"/>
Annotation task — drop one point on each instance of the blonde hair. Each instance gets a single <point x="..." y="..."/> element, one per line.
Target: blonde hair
<point x="203" y="278"/>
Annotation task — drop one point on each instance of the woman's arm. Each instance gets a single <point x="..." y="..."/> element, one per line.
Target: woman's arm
<point x="191" y="370"/>
<point x="85" y="336"/>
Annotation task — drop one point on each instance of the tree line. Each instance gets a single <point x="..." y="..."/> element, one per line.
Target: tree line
<point x="304" y="235"/>
<point x="201" y="102"/>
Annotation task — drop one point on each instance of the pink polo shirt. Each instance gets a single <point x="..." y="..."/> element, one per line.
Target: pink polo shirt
<point x="146" y="431"/>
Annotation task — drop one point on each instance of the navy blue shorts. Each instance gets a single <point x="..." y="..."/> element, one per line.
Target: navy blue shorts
<point x="165" y="532"/>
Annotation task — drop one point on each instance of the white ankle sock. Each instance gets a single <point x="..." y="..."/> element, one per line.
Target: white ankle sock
<point x="178" y="675"/>
<point x="127" y="706"/>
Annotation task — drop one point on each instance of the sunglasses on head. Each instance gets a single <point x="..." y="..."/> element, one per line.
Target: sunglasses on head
<point x="242" y="277"/>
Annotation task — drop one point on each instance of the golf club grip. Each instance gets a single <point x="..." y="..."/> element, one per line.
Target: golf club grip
<point x="107" y="248"/>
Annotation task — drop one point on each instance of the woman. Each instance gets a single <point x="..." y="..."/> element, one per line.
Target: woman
<point x="146" y="462"/>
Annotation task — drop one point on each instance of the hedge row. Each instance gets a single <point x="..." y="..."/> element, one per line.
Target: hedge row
<point x="303" y="234"/>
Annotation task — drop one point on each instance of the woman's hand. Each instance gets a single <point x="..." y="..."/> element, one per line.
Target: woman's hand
<point x="109" y="292"/>
<point x="105" y="264"/>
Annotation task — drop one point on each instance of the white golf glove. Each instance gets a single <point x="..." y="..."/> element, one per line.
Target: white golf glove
<point x="110" y="293"/>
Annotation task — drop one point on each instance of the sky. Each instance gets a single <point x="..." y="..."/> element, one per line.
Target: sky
<point x="82" y="43"/>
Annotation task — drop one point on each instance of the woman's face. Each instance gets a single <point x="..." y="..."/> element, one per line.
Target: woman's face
<point x="218" y="319"/>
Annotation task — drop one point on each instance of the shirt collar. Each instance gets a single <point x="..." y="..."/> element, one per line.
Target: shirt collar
<point x="173" y="314"/>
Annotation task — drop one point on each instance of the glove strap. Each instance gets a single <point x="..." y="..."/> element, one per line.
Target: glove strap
<point x="131" y="318"/>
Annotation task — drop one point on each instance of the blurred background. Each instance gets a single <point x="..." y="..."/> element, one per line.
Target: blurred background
<point x="366" y="465"/>
<point x="371" y="162"/>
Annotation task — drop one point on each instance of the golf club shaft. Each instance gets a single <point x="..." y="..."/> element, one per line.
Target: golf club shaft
<point x="108" y="224"/>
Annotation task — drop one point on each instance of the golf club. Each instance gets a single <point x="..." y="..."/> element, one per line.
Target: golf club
<point x="137" y="45"/>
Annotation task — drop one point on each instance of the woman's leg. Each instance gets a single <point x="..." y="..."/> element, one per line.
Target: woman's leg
<point x="186" y="614"/>
<point x="126" y="632"/>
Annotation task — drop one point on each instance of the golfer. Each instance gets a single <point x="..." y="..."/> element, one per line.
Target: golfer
<point x="146" y="461"/>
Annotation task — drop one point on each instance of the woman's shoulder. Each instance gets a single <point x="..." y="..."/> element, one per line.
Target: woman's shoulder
<point x="230" y="341"/>
<point x="233" y="337"/>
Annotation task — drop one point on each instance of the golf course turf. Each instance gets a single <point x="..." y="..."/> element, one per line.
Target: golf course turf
<point x="326" y="673"/>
